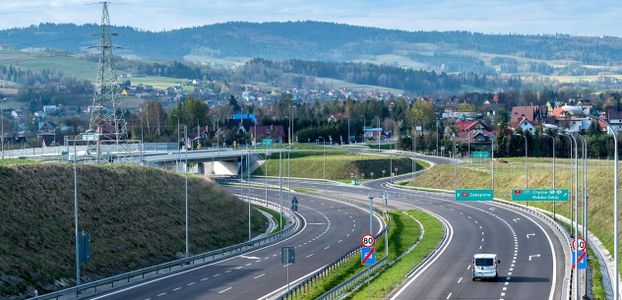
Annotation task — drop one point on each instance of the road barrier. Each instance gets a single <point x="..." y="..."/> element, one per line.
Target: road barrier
<point x="106" y="284"/>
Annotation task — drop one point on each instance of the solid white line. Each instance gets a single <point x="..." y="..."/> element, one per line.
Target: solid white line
<point x="304" y="221"/>
<point x="225" y="290"/>
<point x="450" y="234"/>
<point x="448" y="296"/>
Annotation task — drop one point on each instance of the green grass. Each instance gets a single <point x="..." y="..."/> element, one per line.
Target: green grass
<point x="382" y="285"/>
<point x="16" y="161"/>
<point x="275" y="216"/>
<point x="403" y="233"/>
<point x="338" y="166"/>
<point x="135" y="216"/>
<point x="511" y="175"/>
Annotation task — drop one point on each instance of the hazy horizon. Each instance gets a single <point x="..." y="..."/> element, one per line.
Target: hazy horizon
<point x="493" y="16"/>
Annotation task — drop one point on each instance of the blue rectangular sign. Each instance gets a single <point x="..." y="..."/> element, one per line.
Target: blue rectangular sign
<point x="582" y="260"/>
<point x="368" y="256"/>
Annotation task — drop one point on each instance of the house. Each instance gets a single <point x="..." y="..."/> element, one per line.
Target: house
<point x="50" y="110"/>
<point x="613" y="115"/>
<point x="46" y="133"/>
<point x="273" y="134"/>
<point x="250" y="117"/>
<point x="473" y="132"/>
<point x="526" y="126"/>
<point x="531" y="113"/>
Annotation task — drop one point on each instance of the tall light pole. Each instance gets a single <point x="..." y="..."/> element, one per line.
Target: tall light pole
<point x="453" y="139"/>
<point x="576" y="204"/>
<point x="2" y="123"/>
<point x="280" y="191"/>
<point x="553" y="142"/>
<point x="492" y="163"/>
<point x="526" y="164"/>
<point x="324" y="141"/>
<point x="348" y="117"/>
<point x="574" y="110"/>
<point x="585" y="218"/>
<point x="571" y="190"/>
<point x="75" y="211"/>
<point x="186" y="188"/>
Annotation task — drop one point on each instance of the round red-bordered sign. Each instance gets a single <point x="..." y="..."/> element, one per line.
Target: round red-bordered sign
<point x="368" y="240"/>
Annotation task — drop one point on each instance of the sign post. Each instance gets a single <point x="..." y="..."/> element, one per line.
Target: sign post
<point x="474" y="195"/>
<point x="288" y="257"/>
<point x="535" y="195"/>
<point x="294" y="205"/>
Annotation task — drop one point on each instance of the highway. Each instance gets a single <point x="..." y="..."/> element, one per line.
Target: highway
<point x="330" y="230"/>
<point x="532" y="258"/>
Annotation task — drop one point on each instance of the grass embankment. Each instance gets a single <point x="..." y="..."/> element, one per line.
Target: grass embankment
<point x="135" y="216"/>
<point x="339" y="166"/>
<point x="511" y="175"/>
<point x="402" y="234"/>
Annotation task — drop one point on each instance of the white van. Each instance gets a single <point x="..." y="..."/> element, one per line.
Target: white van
<point x="484" y="266"/>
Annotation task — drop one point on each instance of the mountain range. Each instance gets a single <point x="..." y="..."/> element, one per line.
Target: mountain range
<point x="233" y="43"/>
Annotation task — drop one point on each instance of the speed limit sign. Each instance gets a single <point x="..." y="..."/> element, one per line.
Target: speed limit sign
<point x="368" y="240"/>
<point x="579" y="244"/>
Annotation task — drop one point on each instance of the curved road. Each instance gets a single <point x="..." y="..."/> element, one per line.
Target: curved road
<point x="331" y="229"/>
<point x="532" y="258"/>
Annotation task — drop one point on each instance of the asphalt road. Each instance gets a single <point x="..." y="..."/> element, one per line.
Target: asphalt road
<point x="532" y="259"/>
<point x="331" y="229"/>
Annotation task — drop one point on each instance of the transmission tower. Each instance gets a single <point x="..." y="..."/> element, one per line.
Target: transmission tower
<point x="107" y="122"/>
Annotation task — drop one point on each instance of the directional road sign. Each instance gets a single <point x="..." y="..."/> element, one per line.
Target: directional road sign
<point x="368" y="255"/>
<point x="368" y="240"/>
<point x="540" y="195"/>
<point x="288" y="256"/>
<point x="294" y="205"/>
<point x="480" y="154"/>
<point x="84" y="243"/>
<point x="474" y="195"/>
<point x="582" y="265"/>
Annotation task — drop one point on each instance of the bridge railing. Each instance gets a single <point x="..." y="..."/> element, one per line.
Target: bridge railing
<point x="116" y="281"/>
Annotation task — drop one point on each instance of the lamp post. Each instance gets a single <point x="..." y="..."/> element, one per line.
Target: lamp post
<point x="453" y="140"/>
<point x="186" y="189"/>
<point x="75" y="211"/>
<point x="553" y="142"/>
<point x="574" y="110"/>
<point x="585" y="218"/>
<point x="348" y="117"/>
<point x="2" y="123"/>
<point x="526" y="164"/>
<point x="324" y="141"/>
<point x="570" y="156"/>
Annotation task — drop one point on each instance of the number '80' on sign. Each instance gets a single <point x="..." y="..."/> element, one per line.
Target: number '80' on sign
<point x="368" y="240"/>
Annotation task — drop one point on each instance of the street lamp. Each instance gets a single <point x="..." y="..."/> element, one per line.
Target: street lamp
<point x="324" y="141"/>
<point x="526" y="165"/>
<point x="553" y="142"/>
<point x="575" y="110"/>
<point x="585" y="219"/>
<point x="2" y="123"/>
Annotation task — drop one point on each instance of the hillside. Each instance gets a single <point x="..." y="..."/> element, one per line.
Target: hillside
<point x="234" y="42"/>
<point x="135" y="216"/>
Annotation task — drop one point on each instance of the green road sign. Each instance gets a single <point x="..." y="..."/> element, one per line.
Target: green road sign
<point x="539" y="195"/>
<point x="266" y="142"/>
<point x="480" y="154"/>
<point x="474" y="195"/>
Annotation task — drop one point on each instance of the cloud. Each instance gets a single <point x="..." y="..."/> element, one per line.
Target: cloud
<point x="492" y="16"/>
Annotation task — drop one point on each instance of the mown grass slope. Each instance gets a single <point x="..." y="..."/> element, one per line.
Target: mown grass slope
<point x="511" y="174"/>
<point x="339" y="166"/>
<point x="135" y="216"/>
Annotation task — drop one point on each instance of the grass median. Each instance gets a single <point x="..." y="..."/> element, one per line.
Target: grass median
<point x="339" y="166"/>
<point x="403" y="233"/>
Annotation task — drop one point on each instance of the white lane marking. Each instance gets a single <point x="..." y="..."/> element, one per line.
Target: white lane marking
<point x="259" y="276"/>
<point x="532" y="256"/>
<point x="326" y="248"/>
<point x="177" y="289"/>
<point x="502" y="294"/>
<point x="459" y="280"/>
<point x="161" y="294"/>
<point x="189" y="284"/>
<point x="216" y="275"/>
<point x="532" y="234"/>
<point x="225" y="290"/>
<point x="308" y="255"/>
<point x="250" y="257"/>
<point x="248" y="264"/>
<point x="480" y="247"/>
<point x="448" y="296"/>
<point x="204" y="278"/>
<point x="267" y="257"/>
<point x="228" y="271"/>
<point x="339" y="241"/>
<point x="505" y="288"/>
<point x="238" y="267"/>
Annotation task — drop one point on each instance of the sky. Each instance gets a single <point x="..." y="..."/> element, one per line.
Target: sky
<point x="576" y="17"/>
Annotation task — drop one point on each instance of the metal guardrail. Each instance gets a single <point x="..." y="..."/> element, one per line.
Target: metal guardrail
<point x="109" y="283"/>
<point x="544" y="216"/>
<point x="353" y="282"/>
<point x="304" y="285"/>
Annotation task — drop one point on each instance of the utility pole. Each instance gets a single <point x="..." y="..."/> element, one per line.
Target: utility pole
<point x="2" y="123"/>
<point x="280" y="191"/>
<point x="75" y="213"/>
<point x="107" y="120"/>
